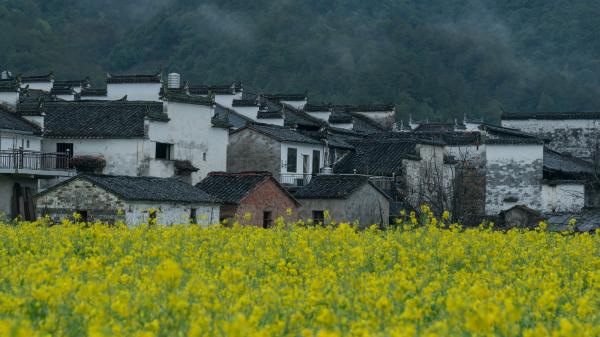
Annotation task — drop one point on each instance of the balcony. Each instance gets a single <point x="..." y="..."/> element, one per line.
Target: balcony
<point x="295" y="179"/>
<point x="35" y="163"/>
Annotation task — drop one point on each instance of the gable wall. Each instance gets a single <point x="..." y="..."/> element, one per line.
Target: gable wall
<point x="249" y="150"/>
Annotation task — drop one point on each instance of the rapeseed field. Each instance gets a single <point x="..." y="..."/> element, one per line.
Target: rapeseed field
<point x="420" y="279"/>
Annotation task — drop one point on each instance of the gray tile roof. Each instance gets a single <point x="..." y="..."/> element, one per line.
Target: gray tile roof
<point x="333" y="186"/>
<point x="586" y="221"/>
<point x="282" y="134"/>
<point x="151" y="189"/>
<point x="234" y="119"/>
<point x="10" y="121"/>
<point x="551" y="115"/>
<point x="377" y="157"/>
<point x="190" y="99"/>
<point x="9" y="85"/>
<point x="286" y="97"/>
<point x="225" y="89"/>
<point x="558" y="166"/>
<point x="37" y="78"/>
<point x="100" y="119"/>
<point x="131" y="78"/>
<point x="93" y="92"/>
<point x="231" y="188"/>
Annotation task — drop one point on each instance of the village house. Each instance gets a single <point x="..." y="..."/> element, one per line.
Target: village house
<point x="38" y="82"/>
<point x="346" y="198"/>
<point x="250" y="198"/>
<point x="292" y="157"/>
<point x="23" y="164"/>
<point x="133" y="200"/>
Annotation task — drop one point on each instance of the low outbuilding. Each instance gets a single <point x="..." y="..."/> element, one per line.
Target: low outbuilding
<point x="133" y="200"/>
<point x="346" y="198"/>
<point x="251" y="198"/>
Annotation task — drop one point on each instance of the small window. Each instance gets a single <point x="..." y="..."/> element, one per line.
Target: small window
<point x="292" y="154"/>
<point x="83" y="215"/>
<point x="318" y="217"/>
<point x="193" y="216"/>
<point x="204" y="156"/>
<point x="27" y="143"/>
<point x="163" y="151"/>
<point x="64" y="161"/>
<point x="267" y="219"/>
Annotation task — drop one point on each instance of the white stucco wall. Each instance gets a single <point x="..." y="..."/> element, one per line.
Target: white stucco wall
<point x="10" y="98"/>
<point x="227" y="100"/>
<point x="322" y="115"/>
<point x="347" y="126"/>
<point x="296" y="104"/>
<point x="191" y="131"/>
<point x="10" y="141"/>
<point x="303" y="149"/>
<point x="46" y="86"/>
<point x="94" y="98"/>
<point x="377" y="114"/>
<point x="66" y="97"/>
<point x="247" y="111"/>
<point x="563" y="197"/>
<point x="272" y="121"/>
<point x="134" y="91"/>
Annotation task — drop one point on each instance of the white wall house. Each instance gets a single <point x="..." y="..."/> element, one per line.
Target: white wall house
<point x="9" y="92"/>
<point x="135" y="87"/>
<point x="38" y="82"/>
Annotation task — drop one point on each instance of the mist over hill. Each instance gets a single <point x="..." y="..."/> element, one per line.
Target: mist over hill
<point x="434" y="59"/>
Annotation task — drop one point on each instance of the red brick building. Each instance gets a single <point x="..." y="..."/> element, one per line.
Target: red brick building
<point x="251" y="198"/>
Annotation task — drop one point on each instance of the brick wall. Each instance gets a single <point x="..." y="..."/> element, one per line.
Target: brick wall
<point x="267" y="196"/>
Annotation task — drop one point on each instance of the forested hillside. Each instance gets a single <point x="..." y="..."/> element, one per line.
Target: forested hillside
<point x="433" y="58"/>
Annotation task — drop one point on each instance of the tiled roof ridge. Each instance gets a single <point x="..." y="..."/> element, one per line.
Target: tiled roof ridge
<point x="241" y="174"/>
<point x="550" y="115"/>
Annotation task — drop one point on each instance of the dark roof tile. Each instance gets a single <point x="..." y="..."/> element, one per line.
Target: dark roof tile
<point x="118" y="79"/>
<point x="334" y="186"/>
<point x="377" y="157"/>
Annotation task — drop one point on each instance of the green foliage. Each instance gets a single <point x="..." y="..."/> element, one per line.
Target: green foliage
<point x="433" y="58"/>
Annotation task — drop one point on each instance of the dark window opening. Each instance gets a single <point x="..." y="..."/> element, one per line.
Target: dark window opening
<point x="83" y="216"/>
<point x="267" y="219"/>
<point x="163" y="151"/>
<point x="204" y="156"/>
<point x="316" y="163"/>
<point x="318" y="217"/>
<point x="66" y="148"/>
<point x="193" y="216"/>
<point x="292" y="155"/>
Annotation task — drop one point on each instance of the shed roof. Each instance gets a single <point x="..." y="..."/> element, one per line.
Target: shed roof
<point x="559" y="166"/>
<point x="151" y="189"/>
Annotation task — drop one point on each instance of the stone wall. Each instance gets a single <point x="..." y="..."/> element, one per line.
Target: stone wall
<point x="513" y="177"/>
<point x="251" y="151"/>
<point x="81" y="195"/>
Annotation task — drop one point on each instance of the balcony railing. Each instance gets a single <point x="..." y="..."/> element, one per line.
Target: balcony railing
<point x="17" y="160"/>
<point x="295" y="179"/>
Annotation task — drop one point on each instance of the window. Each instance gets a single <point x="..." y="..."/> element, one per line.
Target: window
<point x="64" y="148"/>
<point x="83" y="216"/>
<point x="292" y="154"/>
<point x="193" y="215"/>
<point x="204" y="156"/>
<point x="163" y="151"/>
<point x="267" y="219"/>
<point x="318" y="217"/>
<point x="316" y="163"/>
<point x="28" y="144"/>
<point x="152" y="217"/>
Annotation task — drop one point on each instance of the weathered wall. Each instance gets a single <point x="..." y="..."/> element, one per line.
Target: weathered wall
<point x="563" y="197"/>
<point x="251" y="151"/>
<point x="101" y="205"/>
<point x="513" y="177"/>
<point x="367" y="206"/>
<point x="578" y="137"/>
<point x="190" y="130"/>
<point x="424" y="179"/>
<point x="266" y="197"/>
